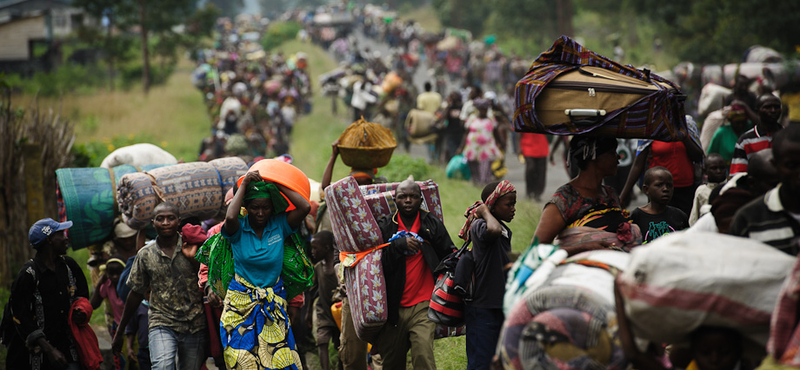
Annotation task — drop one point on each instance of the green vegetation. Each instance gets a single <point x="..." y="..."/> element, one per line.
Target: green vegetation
<point x="704" y="31"/>
<point x="279" y="33"/>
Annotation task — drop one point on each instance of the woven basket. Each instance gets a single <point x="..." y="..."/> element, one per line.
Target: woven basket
<point x="366" y="145"/>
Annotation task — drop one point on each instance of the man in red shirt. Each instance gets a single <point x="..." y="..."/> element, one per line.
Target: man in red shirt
<point x="418" y="242"/>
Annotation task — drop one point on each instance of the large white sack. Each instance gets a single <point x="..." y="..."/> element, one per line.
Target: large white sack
<point x="683" y="281"/>
<point x="712" y="98"/>
<point x="138" y="155"/>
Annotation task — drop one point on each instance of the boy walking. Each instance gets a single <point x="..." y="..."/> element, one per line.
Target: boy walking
<point x="325" y="276"/>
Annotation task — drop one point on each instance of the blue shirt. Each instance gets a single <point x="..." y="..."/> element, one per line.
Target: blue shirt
<point x="259" y="261"/>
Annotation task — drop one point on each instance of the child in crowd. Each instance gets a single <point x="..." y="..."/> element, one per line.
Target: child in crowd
<point x="325" y="278"/>
<point x="491" y="242"/>
<point x="137" y="330"/>
<point x="716" y="169"/>
<point x="106" y="288"/>
<point x="657" y="218"/>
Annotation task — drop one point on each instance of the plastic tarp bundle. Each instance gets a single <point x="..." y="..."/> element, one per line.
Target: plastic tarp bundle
<point x="87" y="197"/>
<point x="198" y="189"/>
<point x="683" y="281"/>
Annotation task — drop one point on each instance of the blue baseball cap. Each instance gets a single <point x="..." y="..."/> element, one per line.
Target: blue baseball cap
<point x="44" y="228"/>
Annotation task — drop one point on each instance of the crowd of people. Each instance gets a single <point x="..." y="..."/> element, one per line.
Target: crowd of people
<point x="743" y="181"/>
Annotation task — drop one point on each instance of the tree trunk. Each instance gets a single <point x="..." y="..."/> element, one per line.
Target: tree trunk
<point x="111" y="55"/>
<point x="564" y="10"/>
<point x="145" y="48"/>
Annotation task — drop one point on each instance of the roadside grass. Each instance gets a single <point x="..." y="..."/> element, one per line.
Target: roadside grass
<point x="171" y="116"/>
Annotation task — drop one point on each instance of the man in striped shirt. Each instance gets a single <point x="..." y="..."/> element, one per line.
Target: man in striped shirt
<point x="759" y="137"/>
<point x="775" y="218"/>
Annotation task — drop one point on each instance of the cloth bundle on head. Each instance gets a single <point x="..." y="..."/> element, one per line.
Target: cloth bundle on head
<point x="262" y="189"/>
<point x="503" y="188"/>
<point x="481" y="103"/>
<point x="585" y="148"/>
<point x="192" y="234"/>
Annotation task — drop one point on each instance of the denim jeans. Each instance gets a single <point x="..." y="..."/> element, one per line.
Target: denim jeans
<point x="483" y="332"/>
<point x="168" y="348"/>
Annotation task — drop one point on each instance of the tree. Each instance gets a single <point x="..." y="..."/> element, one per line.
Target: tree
<point x="151" y="17"/>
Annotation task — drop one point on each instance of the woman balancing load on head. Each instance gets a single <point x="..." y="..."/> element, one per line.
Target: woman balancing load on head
<point x="583" y="213"/>
<point x="255" y="327"/>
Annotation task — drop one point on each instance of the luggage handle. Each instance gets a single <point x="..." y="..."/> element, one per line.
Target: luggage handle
<point x="585" y="117"/>
<point x="585" y="112"/>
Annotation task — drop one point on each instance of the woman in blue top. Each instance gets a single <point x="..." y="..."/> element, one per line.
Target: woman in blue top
<point x="254" y="327"/>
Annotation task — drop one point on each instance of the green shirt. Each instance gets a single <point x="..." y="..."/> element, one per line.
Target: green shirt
<point x="176" y="301"/>
<point x="723" y="142"/>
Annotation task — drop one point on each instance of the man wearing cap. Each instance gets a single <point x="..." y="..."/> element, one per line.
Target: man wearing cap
<point x="165" y="266"/>
<point x="36" y="325"/>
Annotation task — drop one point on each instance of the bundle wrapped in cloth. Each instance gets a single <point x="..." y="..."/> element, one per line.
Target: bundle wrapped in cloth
<point x="683" y="281"/>
<point x="366" y="145"/>
<point x="198" y="189"/>
<point x="566" y="319"/>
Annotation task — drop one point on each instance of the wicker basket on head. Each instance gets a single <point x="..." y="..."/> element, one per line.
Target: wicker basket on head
<point x="366" y="145"/>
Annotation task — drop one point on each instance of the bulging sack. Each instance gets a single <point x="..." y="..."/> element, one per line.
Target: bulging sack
<point x="683" y="281"/>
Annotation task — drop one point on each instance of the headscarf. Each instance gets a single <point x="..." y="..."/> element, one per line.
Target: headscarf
<point x="363" y="174"/>
<point x="503" y="188"/>
<point x="481" y="103"/>
<point x="262" y="189"/>
<point x="193" y="234"/>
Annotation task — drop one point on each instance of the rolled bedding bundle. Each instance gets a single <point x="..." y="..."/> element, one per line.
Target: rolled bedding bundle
<point x="87" y="197"/>
<point x="198" y="189"/>
<point x="366" y="290"/>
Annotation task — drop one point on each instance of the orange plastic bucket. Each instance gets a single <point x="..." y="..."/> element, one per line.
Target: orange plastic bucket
<point x="282" y="173"/>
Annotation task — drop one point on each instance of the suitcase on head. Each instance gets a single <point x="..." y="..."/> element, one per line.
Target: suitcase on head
<point x="570" y="90"/>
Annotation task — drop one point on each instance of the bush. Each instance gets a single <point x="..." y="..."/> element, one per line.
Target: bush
<point x="401" y="166"/>
<point x="91" y="154"/>
<point x="132" y="74"/>
<point x="62" y="80"/>
<point x="280" y="32"/>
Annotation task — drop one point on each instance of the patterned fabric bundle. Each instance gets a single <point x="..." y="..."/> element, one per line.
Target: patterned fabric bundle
<point x="198" y="189"/>
<point x="255" y="328"/>
<point x="658" y="114"/>
<point x="503" y="188"/>
<point x="561" y="327"/>
<point x="366" y="290"/>
<point x="354" y="227"/>
<point x="298" y="271"/>
<point x="217" y="254"/>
